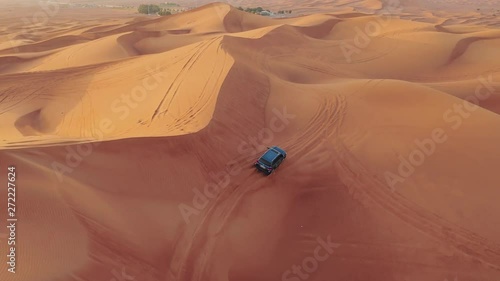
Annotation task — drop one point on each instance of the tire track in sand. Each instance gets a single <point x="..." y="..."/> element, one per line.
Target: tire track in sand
<point x="196" y="246"/>
<point x="370" y="190"/>
<point x="200" y="49"/>
<point x="197" y="252"/>
<point x="203" y="100"/>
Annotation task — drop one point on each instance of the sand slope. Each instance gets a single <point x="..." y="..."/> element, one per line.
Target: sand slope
<point x="114" y="129"/>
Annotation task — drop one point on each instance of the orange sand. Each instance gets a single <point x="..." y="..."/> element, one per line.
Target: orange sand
<point x="115" y="121"/>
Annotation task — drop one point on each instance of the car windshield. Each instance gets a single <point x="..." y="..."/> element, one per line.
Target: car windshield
<point x="268" y="157"/>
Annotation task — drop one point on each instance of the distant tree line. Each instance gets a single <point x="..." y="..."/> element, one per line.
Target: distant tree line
<point x="164" y="12"/>
<point x="149" y="9"/>
<point x="172" y="4"/>
<point x="259" y="10"/>
<point x="153" y="9"/>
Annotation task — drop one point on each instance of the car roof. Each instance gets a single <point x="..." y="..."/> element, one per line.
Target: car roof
<point x="270" y="155"/>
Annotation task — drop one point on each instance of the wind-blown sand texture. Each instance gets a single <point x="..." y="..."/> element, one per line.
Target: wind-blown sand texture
<point x="114" y="119"/>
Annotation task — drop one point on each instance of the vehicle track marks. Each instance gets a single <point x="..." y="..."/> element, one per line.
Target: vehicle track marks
<point x="200" y="49"/>
<point x="196" y="246"/>
<point x="372" y="191"/>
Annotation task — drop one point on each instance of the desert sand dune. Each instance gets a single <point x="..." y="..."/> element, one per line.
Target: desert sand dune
<point x="117" y="126"/>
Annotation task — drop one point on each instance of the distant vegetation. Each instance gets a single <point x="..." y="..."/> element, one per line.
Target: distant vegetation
<point x="169" y="8"/>
<point x="262" y="11"/>
<point x="257" y="10"/>
<point x="164" y="12"/>
<point x="152" y="9"/>
<point x="172" y="4"/>
<point x="149" y="9"/>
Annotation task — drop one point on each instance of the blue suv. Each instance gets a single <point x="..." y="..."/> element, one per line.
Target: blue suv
<point x="270" y="160"/>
